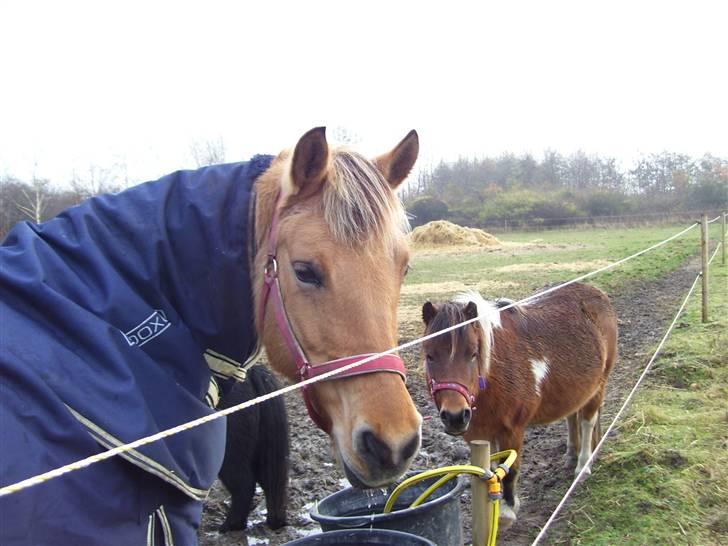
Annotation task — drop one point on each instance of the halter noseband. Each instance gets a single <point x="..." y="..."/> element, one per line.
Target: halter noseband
<point x="306" y="370"/>
<point x="462" y="390"/>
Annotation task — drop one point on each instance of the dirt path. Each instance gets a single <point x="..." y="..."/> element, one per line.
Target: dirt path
<point x="644" y="310"/>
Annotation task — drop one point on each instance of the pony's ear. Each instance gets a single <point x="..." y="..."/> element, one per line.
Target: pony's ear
<point x="470" y="311"/>
<point x="428" y="312"/>
<point x="310" y="161"/>
<point x="397" y="164"/>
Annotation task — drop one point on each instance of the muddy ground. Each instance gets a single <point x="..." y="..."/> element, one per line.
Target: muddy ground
<point x="644" y="310"/>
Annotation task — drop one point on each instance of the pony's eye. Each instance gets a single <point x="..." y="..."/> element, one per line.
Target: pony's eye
<point x="307" y="273"/>
<point x="475" y="356"/>
<point x="430" y="359"/>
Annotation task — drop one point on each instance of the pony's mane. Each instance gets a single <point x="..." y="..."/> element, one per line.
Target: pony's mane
<point x="489" y="319"/>
<point x="359" y="203"/>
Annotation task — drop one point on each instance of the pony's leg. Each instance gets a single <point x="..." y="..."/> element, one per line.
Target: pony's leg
<point x="242" y="491"/>
<point x="511" y="503"/>
<point x="589" y="418"/>
<point x="272" y="461"/>
<point x="237" y="473"/>
<point x="572" y="425"/>
<point x="597" y="435"/>
<point x="272" y="454"/>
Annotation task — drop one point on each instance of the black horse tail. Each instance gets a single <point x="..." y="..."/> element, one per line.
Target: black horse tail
<point x="273" y="455"/>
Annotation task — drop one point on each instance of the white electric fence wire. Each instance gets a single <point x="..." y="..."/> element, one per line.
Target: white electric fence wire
<point x="40" y="478"/>
<point x="715" y="219"/>
<point x="584" y="470"/>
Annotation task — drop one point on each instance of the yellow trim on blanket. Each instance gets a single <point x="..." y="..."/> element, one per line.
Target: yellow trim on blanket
<point x="212" y="398"/>
<point x="225" y="366"/>
<point x="166" y="527"/>
<point x="150" y="530"/>
<point x="139" y="459"/>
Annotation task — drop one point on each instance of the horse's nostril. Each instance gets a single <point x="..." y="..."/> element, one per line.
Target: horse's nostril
<point x="411" y="447"/>
<point x="459" y="419"/>
<point x="375" y="449"/>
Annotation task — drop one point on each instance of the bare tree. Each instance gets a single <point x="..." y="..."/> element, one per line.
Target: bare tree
<point x="99" y="180"/>
<point x="34" y="200"/>
<point x="208" y="152"/>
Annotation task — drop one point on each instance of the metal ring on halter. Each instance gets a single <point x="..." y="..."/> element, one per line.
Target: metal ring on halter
<point x="271" y="264"/>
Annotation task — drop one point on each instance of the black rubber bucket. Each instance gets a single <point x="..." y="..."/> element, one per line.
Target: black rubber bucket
<point x="438" y="519"/>
<point x="363" y="537"/>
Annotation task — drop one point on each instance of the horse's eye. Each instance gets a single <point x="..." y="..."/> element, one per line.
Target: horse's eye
<point x="307" y="273"/>
<point x="475" y="356"/>
<point x="430" y="359"/>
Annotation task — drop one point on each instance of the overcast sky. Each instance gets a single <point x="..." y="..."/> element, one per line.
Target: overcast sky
<point x="99" y="83"/>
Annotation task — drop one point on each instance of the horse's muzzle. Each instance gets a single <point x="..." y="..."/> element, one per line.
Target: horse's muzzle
<point x="456" y="423"/>
<point x="383" y="462"/>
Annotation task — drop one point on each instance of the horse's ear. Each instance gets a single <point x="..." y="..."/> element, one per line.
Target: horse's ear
<point x="470" y="311"/>
<point x="428" y="312"/>
<point x="310" y="161"/>
<point x="397" y="164"/>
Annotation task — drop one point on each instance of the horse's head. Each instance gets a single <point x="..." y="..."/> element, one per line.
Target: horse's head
<point x="340" y="254"/>
<point x="457" y="362"/>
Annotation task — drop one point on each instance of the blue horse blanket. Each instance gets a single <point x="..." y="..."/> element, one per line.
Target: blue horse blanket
<point x="111" y="315"/>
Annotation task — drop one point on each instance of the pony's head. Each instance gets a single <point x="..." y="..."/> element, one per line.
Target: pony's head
<point x="457" y="362"/>
<point x="340" y="258"/>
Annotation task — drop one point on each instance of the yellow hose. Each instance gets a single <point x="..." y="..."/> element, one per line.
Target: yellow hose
<point x="493" y="532"/>
<point x="434" y="487"/>
<point x="447" y="473"/>
<point x="427" y="474"/>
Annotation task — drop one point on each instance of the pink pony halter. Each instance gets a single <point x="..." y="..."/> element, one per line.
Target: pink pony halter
<point x="437" y="386"/>
<point x="306" y="370"/>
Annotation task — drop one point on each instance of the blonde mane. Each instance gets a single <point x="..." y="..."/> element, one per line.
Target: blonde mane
<point x="358" y="203"/>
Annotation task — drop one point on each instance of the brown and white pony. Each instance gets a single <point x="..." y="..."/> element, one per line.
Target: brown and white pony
<point x="330" y="260"/>
<point x="529" y="364"/>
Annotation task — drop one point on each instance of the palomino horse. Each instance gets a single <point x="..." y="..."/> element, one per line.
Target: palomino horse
<point x="115" y="312"/>
<point x="340" y="260"/>
<point x="529" y="364"/>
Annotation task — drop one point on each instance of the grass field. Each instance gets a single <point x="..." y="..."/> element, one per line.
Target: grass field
<point x="554" y="256"/>
<point x="530" y="261"/>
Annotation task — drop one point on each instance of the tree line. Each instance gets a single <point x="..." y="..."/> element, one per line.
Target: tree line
<point x="474" y="192"/>
<point x="35" y="200"/>
<point x="519" y="189"/>
<point x="38" y="199"/>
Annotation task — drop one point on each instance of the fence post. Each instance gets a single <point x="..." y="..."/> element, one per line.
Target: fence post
<point x="704" y="261"/>
<point x="722" y="260"/>
<point x="480" y="456"/>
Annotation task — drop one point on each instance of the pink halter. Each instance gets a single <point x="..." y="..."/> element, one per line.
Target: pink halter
<point x="437" y="386"/>
<point x="306" y="370"/>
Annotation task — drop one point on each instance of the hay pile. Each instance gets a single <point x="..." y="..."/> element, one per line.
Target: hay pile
<point x="444" y="233"/>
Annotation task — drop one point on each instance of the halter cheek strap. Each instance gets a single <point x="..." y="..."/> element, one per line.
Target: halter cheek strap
<point x="271" y="290"/>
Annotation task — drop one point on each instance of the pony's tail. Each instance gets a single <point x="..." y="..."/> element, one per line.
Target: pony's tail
<point x="273" y="455"/>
